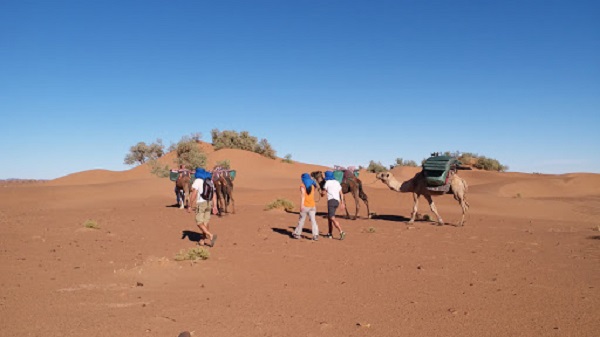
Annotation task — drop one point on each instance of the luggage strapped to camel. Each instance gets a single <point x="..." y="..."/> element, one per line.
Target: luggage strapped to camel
<point x="438" y="170"/>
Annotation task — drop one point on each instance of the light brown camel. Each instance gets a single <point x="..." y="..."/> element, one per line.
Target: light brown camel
<point x="352" y="185"/>
<point x="418" y="186"/>
<point x="183" y="184"/>
<point x="224" y="189"/>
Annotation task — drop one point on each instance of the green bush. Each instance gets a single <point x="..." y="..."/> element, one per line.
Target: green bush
<point x="489" y="164"/>
<point x="189" y="154"/>
<point x="402" y="162"/>
<point x="376" y="167"/>
<point x="287" y="159"/>
<point x="229" y="139"/>
<point x="192" y="254"/>
<point x="91" y="224"/>
<point x="142" y="152"/>
<point x="280" y="204"/>
<point x="224" y="164"/>
<point x="157" y="169"/>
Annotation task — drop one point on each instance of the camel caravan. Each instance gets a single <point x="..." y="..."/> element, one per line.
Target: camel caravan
<point x="438" y="177"/>
<point x="222" y="179"/>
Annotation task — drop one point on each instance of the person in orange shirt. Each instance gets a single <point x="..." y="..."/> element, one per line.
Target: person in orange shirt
<point x="307" y="207"/>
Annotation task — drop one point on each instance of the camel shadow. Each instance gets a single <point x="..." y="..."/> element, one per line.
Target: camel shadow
<point x="192" y="236"/>
<point x="390" y="217"/>
<point x="594" y="237"/>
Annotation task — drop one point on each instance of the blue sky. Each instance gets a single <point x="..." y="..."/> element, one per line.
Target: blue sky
<point x="329" y="82"/>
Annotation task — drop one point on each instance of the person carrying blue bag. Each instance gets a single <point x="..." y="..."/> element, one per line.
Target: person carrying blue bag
<point x="307" y="207"/>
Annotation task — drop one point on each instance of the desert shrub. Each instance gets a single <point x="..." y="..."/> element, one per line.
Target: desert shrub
<point x="189" y="154"/>
<point x="192" y="254"/>
<point x="142" y="152"/>
<point x="376" y="167"/>
<point x="402" y="162"/>
<point x="265" y="149"/>
<point x="489" y="164"/>
<point x="91" y="224"/>
<point x="280" y="203"/>
<point x="371" y="230"/>
<point x="157" y="169"/>
<point x="230" y="139"/>
<point x="224" y="164"/>
<point x="287" y="159"/>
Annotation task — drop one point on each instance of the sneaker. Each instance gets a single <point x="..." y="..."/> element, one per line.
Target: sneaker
<point x="296" y="236"/>
<point x="316" y="238"/>
<point x="342" y="235"/>
<point x="329" y="236"/>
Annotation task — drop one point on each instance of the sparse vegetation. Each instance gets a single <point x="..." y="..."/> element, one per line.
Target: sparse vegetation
<point x="402" y="162"/>
<point x="376" y="167"/>
<point x="477" y="161"/>
<point x="142" y="152"/>
<point x="91" y="224"/>
<point x="224" y="164"/>
<point x="287" y="159"/>
<point x="189" y="154"/>
<point x="280" y="203"/>
<point x="426" y="217"/>
<point x="192" y="254"/>
<point x="518" y="195"/>
<point x="230" y="139"/>
<point x="371" y="230"/>
<point x="157" y="169"/>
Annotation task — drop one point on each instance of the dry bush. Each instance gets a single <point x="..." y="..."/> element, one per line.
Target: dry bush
<point x="280" y="203"/>
<point x="192" y="254"/>
<point x="91" y="224"/>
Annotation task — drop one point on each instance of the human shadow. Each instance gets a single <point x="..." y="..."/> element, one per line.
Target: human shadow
<point x="321" y="214"/>
<point x="282" y="231"/>
<point x="173" y="206"/>
<point x="594" y="237"/>
<point x="192" y="236"/>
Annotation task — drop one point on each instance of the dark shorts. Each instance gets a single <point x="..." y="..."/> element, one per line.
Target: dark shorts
<point x="332" y="206"/>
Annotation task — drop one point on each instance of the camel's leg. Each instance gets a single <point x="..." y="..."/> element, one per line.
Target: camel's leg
<point x="365" y="199"/>
<point x="434" y="209"/>
<point x="356" y="202"/>
<point x="232" y="201"/>
<point x="186" y="192"/>
<point x="413" y="215"/>
<point x="465" y="206"/>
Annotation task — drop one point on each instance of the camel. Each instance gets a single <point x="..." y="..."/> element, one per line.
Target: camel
<point x="352" y="185"/>
<point x="224" y="189"/>
<point x="183" y="184"/>
<point x="418" y="186"/>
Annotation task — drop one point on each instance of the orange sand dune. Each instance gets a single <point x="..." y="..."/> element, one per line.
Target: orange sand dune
<point x="525" y="263"/>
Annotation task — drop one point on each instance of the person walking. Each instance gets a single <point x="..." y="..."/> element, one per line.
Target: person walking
<point x="335" y="198"/>
<point x="307" y="207"/>
<point x="204" y="197"/>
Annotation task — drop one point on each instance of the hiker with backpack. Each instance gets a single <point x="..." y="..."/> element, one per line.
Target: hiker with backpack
<point x="204" y="197"/>
<point x="335" y="198"/>
<point x="307" y="207"/>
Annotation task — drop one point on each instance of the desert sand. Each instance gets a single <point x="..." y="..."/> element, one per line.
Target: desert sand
<point x="526" y="263"/>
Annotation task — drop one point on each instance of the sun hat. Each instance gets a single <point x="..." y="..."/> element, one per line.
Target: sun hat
<point x="307" y="180"/>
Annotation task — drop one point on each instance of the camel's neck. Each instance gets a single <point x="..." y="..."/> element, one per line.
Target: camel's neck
<point x="394" y="184"/>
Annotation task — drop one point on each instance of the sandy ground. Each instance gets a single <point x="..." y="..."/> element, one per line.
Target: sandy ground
<point x="527" y="262"/>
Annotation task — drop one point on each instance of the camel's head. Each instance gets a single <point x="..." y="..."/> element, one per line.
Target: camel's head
<point x="384" y="176"/>
<point x="318" y="177"/>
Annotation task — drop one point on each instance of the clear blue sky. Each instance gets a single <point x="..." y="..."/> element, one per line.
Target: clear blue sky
<point x="329" y="82"/>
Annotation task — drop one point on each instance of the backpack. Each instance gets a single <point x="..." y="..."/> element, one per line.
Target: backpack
<point x="208" y="189"/>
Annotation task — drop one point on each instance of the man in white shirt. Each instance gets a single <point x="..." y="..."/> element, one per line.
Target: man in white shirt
<point x="203" y="206"/>
<point x="335" y="198"/>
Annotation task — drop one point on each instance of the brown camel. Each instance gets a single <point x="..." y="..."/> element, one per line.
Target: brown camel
<point x="184" y="184"/>
<point x="224" y="189"/>
<point x="352" y="185"/>
<point x="418" y="186"/>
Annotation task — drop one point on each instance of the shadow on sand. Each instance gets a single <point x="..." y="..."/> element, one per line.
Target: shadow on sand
<point x="191" y="235"/>
<point x="390" y="217"/>
<point x="594" y="237"/>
